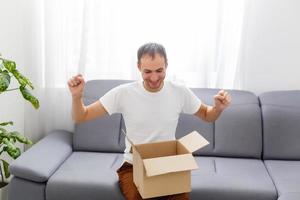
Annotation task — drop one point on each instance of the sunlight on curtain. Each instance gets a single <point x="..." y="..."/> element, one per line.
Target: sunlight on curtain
<point x="100" y="38"/>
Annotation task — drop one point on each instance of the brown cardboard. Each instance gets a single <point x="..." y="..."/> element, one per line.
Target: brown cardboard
<point x="174" y="163"/>
<point x="164" y="168"/>
<point x="193" y="141"/>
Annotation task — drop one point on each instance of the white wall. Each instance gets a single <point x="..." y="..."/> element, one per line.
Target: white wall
<point x="270" y="57"/>
<point x="11" y="46"/>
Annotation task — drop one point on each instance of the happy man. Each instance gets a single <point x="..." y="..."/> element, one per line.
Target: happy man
<point x="150" y="109"/>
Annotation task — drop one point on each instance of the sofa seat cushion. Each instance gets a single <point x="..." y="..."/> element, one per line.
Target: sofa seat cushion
<point x="231" y="179"/>
<point x="19" y="188"/>
<point x="290" y="196"/>
<point x="285" y="174"/>
<point x="86" y="175"/>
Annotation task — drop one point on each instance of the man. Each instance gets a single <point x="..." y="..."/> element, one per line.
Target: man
<point x="150" y="108"/>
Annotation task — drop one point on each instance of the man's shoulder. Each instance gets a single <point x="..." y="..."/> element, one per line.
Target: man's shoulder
<point x="175" y="85"/>
<point x="126" y="86"/>
<point x="129" y="85"/>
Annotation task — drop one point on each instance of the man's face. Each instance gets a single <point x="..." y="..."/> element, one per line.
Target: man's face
<point x="153" y="71"/>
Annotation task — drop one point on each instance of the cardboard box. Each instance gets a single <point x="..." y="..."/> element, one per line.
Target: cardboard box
<point x="164" y="168"/>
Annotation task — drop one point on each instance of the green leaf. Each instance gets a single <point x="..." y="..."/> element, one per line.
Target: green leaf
<point x="4" y="80"/>
<point x="3" y="131"/>
<point x="6" y="169"/>
<point x="23" y="81"/>
<point x="9" y="65"/>
<point x="16" y="135"/>
<point x="29" y="97"/>
<point x="11" y="149"/>
<point x="6" y="123"/>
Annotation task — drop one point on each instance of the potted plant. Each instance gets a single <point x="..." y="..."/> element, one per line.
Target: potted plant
<point x="9" y="139"/>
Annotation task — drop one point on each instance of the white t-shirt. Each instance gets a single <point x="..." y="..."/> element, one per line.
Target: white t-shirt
<point x="149" y="116"/>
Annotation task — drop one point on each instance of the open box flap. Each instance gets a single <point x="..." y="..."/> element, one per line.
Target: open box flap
<point x="193" y="141"/>
<point x="167" y="164"/>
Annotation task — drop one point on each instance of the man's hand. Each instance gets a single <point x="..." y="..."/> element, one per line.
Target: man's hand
<point x="76" y="85"/>
<point x="80" y="112"/>
<point x="211" y="113"/>
<point x="222" y="100"/>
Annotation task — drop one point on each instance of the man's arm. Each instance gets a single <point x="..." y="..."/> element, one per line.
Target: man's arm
<point x="211" y="113"/>
<point x="80" y="112"/>
<point x="208" y="113"/>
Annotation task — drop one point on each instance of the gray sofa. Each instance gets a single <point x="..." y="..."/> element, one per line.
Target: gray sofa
<point x="254" y="152"/>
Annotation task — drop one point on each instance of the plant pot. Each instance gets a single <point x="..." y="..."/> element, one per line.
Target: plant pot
<point x="3" y="184"/>
<point x="3" y="191"/>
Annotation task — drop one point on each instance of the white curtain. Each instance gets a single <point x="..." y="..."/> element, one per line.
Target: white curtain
<point x="99" y="39"/>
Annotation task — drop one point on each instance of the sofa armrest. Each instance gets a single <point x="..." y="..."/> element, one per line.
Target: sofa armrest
<point x="40" y="161"/>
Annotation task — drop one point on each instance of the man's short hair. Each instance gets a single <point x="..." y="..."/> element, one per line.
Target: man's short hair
<point x="152" y="49"/>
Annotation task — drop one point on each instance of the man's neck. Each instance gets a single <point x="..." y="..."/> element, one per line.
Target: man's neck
<point x="153" y="90"/>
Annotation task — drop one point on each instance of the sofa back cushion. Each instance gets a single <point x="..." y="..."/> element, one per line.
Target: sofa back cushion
<point x="236" y="133"/>
<point x="281" y="124"/>
<point x="101" y="134"/>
